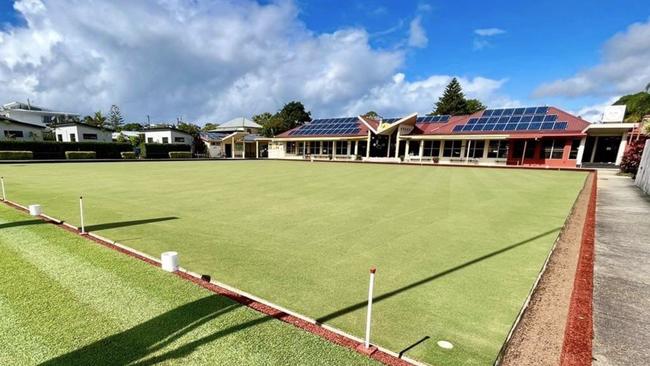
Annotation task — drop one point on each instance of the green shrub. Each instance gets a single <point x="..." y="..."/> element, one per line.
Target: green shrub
<point x="128" y="155"/>
<point x="16" y="155"/>
<point x="180" y="155"/>
<point x="161" y="151"/>
<point x="80" y="155"/>
<point x="56" y="150"/>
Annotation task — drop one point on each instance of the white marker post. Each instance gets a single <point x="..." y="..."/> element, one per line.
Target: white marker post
<point x="369" y="314"/>
<point x="81" y="213"/>
<point x="4" y="197"/>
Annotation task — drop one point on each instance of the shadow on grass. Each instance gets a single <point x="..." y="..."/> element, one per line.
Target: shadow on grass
<point x="113" y="225"/>
<point x="21" y="223"/>
<point x="153" y="335"/>
<point x="423" y="281"/>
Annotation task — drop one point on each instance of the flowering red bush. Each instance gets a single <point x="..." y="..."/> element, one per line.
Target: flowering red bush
<point x="632" y="156"/>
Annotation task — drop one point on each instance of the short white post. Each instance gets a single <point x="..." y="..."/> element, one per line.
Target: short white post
<point x="81" y="213"/>
<point x="369" y="313"/>
<point x="169" y="261"/>
<point x="35" y="210"/>
<point x="4" y="197"/>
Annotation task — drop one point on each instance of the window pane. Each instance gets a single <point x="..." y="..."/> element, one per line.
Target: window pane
<point x="575" y="144"/>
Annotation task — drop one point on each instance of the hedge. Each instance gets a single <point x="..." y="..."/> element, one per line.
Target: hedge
<point x="128" y="155"/>
<point x="56" y="150"/>
<point x="180" y="154"/>
<point x="161" y="151"/>
<point x="80" y="155"/>
<point x="16" y="155"/>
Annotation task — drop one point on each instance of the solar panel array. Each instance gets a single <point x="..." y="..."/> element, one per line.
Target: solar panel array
<point x="513" y="119"/>
<point x="328" y="126"/>
<point x="433" y="119"/>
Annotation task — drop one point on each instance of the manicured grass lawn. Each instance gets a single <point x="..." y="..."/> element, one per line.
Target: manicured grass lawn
<point x="456" y="249"/>
<point x="67" y="301"/>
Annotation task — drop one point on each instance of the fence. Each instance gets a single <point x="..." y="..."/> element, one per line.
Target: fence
<point x="643" y="175"/>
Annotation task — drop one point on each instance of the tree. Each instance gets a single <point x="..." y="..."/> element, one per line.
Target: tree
<point x="115" y="119"/>
<point x="97" y="119"/>
<point x="474" y="105"/>
<point x="187" y="127"/>
<point x="132" y="127"/>
<point x="209" y="126"/>
<point x="647" y="88"/>
<point x="293" y="114"/>
<point x="371" y="114"/>
<point x="452" y="101"/>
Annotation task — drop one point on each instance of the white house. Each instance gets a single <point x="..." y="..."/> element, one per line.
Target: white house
<point x="81" y="132"/>
<point x="239" y="124"/>
<point x="167" y="135"/>
<point x="126" y="134"/>
<point x="11" y="129"/>
<point x="25" y="112"/>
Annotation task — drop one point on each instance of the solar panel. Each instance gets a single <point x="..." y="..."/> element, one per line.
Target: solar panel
<point x="508" y="112"/>
<point x="530" y="110"/>
<point x="550" y="118"/>
<point x="560" y="125"/>
<point x="541" y="110"/>
<point x="535" y="126"/>
<point x="519" y="111"/>
<point x="538" y="118"/>
<point x="487" y="113"/>
<point x="526" y="118"/>
<point x="458" y="128"/>
<point x="547" y="126"/>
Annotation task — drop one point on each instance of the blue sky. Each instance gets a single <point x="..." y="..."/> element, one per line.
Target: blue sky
<point x="339" y="57"/>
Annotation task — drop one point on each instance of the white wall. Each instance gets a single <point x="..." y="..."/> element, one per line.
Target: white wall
<point x="643" y="175"/>
<point x="171" y="135"/>
<point x="26" y="116"/>
<point x="66" y="132"/>
<point x="29" y="133"/>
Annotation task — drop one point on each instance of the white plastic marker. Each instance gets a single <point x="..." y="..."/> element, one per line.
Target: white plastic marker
<point x="4" y="197"/>
<point x="445" y="344"/>
<point x="369" y="314"/>
<point x="81" y="213"/>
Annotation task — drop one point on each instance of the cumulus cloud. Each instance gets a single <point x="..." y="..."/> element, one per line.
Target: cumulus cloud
<point x="202" y="60"/>
<point x="487" y="32"/>
<point x="400" y="97"/>
<point x="623" y="69"/>
<point x="594" y="113"/>
<point x="417" y="34"/>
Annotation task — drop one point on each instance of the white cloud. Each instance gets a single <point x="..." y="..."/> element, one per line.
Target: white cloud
<point x="417" y="34"/>
<point x="488" y="32"/>
<point x="203" y="60"/>
<point x="400" y="97"/>
<point x="623" y="69"/>
<point x="594" y="113"/>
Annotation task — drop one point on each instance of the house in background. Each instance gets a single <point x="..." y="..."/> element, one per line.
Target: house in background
<point x="11" y="129"/>
<point x="25" y="112"/>
<point x="167" y="135"/>
<point x="81" y="132"/>
<point x="237" y="138"/>
<point x="127" y="134"/>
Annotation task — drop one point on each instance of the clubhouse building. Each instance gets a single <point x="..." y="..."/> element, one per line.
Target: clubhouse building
<point x="532" y="136"/>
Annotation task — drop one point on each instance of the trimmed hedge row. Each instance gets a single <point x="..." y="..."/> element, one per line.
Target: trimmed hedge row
<point x="161" y="151"/>
<point x="56" y="150"/>
<point x="80" y="155"/>
<point x="16" y="155"/>
<point x="180" y="154"/>
<point x="128" y="155"/>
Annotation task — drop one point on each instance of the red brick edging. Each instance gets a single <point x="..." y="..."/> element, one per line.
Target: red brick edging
<point x="578" y="334"/>
<point x="379" y="355"/>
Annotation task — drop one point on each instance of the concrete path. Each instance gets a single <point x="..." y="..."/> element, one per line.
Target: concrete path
<point x="622" y="273"/>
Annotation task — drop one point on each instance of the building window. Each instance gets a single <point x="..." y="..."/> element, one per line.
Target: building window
<point x="327" y="147"/>
<point x="575" y="145"/>
<point x="519" y="146"/>
<point x="341" y="147"/>
<point x="73" y="137"/>
<point x="452" y="149"/>
<point x="48" y="119"/>
<point x="59" y="138"/>
<point x="553" y="148"/>
<point x="476" y="148"/>
<point x="314" y="147"/>
<point x="431" y="148"/>
<point x="291" y="147"/>
<point x="90" y="136"/>
<point x="352" y="145"/>
<point x="301" y="148"/>
<point x="165" y="140"/>
<point x="150" y="140"/>
<point x="179" y="139"/>
<point x="13" y="134"/>
<point x="498" y="149"/>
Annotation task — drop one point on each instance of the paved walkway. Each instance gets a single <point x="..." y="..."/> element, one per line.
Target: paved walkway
<point x="622" y="273"/>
